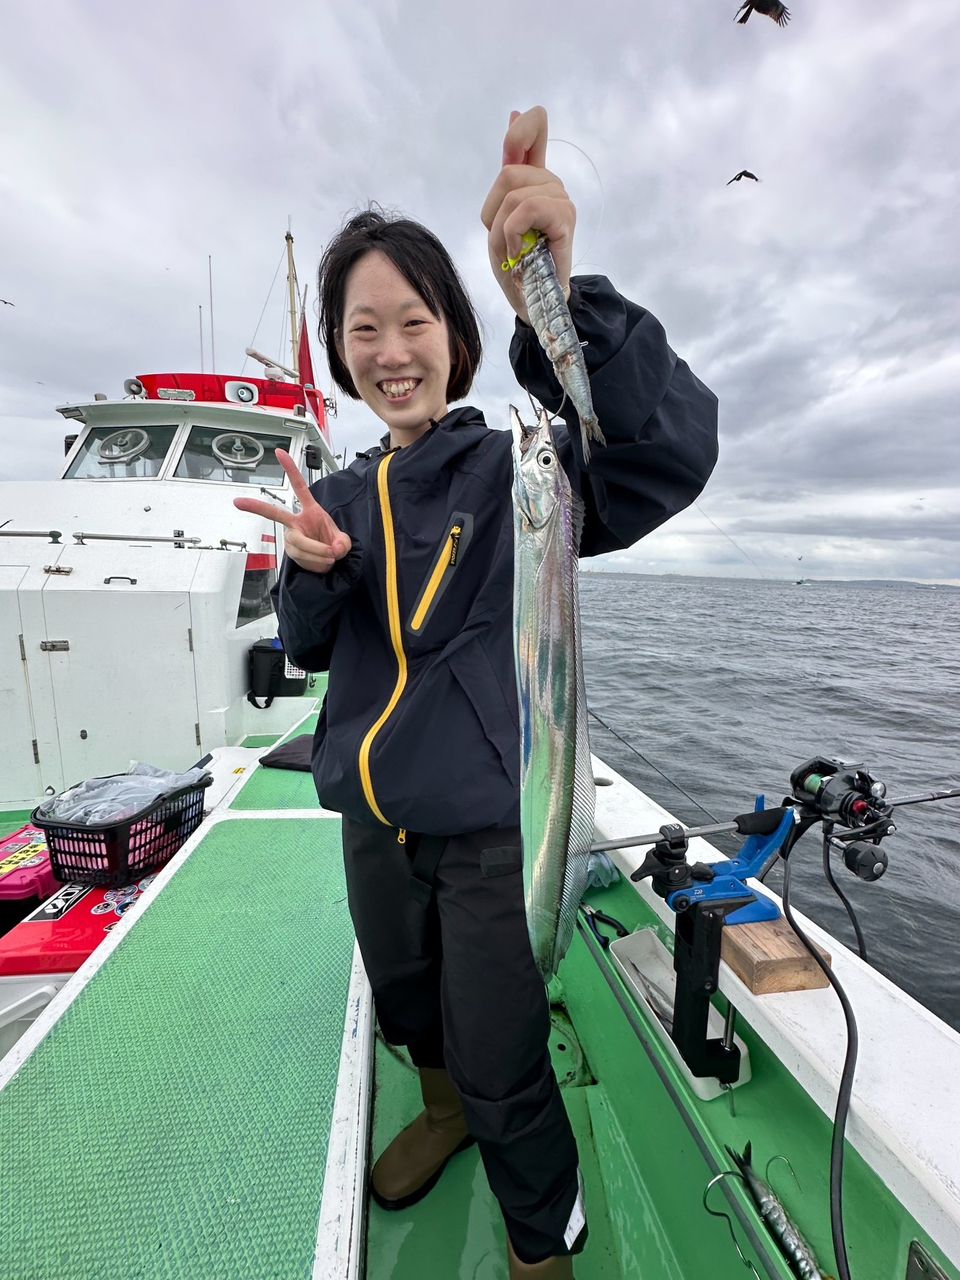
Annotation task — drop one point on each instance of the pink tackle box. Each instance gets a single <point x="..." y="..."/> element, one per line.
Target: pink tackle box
<point x="26" y="878"/>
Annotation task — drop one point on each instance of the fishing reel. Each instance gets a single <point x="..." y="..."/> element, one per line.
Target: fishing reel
<point x="834" y="793"/>
<point x="855" y="813"/>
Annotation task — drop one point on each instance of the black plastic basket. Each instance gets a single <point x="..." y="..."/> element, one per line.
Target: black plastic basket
<point x="113" y="854"/>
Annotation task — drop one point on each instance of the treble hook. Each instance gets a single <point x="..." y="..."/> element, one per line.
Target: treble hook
<point x="717" y="1213"/>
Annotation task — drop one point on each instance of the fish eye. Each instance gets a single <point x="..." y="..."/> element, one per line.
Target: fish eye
<point x="545" y="458"/>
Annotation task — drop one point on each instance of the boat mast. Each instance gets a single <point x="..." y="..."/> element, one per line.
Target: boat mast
<point x="292" y="286"/>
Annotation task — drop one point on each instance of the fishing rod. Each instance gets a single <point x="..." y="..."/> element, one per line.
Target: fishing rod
<point x="856" y="815"/>
<point x="741" y="824"/>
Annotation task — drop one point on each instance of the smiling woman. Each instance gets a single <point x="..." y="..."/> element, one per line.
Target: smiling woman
<point x="396" y="350"/>
<point x="400" y="331"/>
<point x="398" y="580"/>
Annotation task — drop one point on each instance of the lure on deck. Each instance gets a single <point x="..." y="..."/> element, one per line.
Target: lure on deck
<point x="796" y="1250"/>
<point x="551" y="321"/>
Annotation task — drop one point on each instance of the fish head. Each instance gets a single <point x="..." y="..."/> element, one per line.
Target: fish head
<point x="538" y="477"/>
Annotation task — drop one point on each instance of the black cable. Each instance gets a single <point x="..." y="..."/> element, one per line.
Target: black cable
<point x="843" y="1093"/>
<point x="666" y="777"/>
<point x="828" y="872"/>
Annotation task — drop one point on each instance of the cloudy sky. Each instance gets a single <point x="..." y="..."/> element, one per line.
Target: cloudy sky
<point x="821" y="304"/>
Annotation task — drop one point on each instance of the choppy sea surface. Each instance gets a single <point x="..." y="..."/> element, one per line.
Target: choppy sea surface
<point x="726" y="685"/>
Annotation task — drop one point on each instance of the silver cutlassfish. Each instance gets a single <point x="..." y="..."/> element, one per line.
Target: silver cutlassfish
<point x="557" y="791"/>
<point x="550" y="318"/>
<point x="796" y="1250"/>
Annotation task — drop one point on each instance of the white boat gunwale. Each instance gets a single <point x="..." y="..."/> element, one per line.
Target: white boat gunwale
<point x="899" y="1132"/>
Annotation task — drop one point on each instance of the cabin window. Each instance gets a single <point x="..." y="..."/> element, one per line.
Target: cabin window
<point x="122" y="453"/>
<point x="232" y="456"/>
<point x="255" y="599"/>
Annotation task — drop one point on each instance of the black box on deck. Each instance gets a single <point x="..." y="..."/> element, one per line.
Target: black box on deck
<point x="270" y="674"/>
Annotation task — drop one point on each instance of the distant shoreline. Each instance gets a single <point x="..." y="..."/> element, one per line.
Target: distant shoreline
<point x="908" y="583"/>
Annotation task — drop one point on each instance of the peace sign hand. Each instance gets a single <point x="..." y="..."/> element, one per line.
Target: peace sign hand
<point x="312" y="540"/>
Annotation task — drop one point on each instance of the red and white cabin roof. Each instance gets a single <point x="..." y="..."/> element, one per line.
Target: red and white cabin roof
<point x="218" y="388"/>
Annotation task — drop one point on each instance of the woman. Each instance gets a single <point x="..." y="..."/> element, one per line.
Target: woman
<point x="398" y="580"/>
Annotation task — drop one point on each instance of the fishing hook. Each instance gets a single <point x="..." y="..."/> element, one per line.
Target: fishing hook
<point x="772" y="1160"/>
<point x="717" y="1213"/>
<point x="538" y="409"/>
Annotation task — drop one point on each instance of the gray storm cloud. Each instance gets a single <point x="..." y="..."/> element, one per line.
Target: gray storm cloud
<point x="819" y="303"/>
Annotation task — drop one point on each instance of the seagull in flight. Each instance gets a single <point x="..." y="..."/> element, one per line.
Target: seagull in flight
<point x="6" y="303"/>
<point x="769" y="8"/>
<point x="744" y="173"/>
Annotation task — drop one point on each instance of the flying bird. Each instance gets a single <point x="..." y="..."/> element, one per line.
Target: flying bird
<point x="6" y="303"/>
<point x="769" y="8"/>
<point x="744" y="173"/>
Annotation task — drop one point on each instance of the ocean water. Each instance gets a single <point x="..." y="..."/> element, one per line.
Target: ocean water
<point x="726" y="685"/>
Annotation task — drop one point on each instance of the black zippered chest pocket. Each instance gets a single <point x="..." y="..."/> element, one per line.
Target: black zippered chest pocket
<point x="449" y="557"/>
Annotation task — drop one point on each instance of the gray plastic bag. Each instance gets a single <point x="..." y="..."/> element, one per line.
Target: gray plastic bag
<point x="117" y="798"/>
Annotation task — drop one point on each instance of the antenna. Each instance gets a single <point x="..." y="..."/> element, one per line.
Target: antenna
<point x="293" y="286"/>
<point x="200" y="309"/>
<point x="271" y="363"/>
<point x="213" y="350"/>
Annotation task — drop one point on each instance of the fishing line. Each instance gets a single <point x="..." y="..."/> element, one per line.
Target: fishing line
<point x="283" y="254"/>
<point x="665" y="776"/>
<point x="603" y="197"/>
<point x="843" y="1093"/>
<point x="728" y="538"/>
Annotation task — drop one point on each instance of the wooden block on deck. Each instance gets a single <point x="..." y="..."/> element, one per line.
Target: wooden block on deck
<point x="770" y="957"/>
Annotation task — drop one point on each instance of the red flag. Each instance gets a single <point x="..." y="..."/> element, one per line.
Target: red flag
<point x="305" y="369"/>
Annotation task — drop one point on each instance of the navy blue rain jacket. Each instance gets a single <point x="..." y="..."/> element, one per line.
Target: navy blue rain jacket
<point x="419" y="729"/>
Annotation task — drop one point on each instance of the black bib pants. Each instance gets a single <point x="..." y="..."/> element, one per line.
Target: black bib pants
<point x="442" y="930"/>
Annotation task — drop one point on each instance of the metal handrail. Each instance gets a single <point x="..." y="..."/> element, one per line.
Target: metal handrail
<point x="129" y="537"/>
<point x="53" y="534"/>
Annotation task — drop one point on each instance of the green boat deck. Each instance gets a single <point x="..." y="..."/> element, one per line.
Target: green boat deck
<point x="173" y="1124"/>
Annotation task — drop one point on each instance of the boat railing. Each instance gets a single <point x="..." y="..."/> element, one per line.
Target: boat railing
<point x="53" y="534"/>
<point x="178" y="539"/>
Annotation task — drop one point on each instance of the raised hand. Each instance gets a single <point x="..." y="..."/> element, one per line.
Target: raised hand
<point x="526" y="196"/>
<point x="312" y="540"/>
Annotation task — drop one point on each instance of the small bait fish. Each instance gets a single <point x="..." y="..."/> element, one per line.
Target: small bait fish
<point x="551" y="321"/>
<point x="795" y="1249"/>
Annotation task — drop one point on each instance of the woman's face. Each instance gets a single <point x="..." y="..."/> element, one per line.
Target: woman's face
<point x="395" y="348"/>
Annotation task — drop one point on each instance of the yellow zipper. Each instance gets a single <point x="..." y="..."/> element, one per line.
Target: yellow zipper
<point x="393" y="613"/>
<point x="445" y="562"/>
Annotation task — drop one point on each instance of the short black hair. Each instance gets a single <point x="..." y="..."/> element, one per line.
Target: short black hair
<point x="426" y="266"/>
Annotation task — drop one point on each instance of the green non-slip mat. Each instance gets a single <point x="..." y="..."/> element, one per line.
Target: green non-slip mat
<point x="458" y="1231"/>
<point x="12" y="820"/>
<point x="280" y="788"/>
<point x="174" y="1122"/>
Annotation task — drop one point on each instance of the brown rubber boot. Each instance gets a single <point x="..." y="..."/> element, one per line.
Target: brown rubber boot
<point x="548" y="1269"/>
<point x="415" y="1159"/>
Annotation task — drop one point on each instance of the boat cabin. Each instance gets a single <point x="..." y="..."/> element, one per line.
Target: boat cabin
<point x="133" y="594"/>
